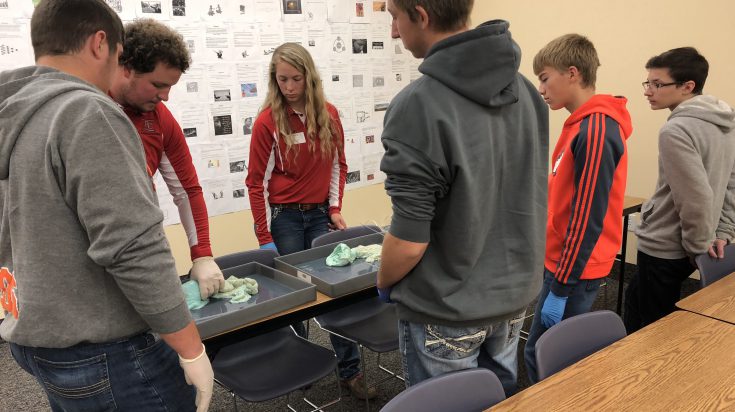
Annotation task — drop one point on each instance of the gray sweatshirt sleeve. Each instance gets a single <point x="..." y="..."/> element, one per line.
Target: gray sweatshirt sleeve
<point x="726" y="225"/>
<point x="685" y="173"/>
<point x="102" y="168"/>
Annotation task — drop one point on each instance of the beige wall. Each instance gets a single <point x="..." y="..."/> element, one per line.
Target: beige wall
<point x="234" y="232"/>
<point x="626" y="34"/>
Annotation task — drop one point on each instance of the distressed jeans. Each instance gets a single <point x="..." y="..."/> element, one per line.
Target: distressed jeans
<point x="432" y="350"/>
<point x="139" y="373"/>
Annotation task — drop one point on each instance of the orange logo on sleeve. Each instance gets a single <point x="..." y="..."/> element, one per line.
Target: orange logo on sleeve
<point x="8" y="287"/>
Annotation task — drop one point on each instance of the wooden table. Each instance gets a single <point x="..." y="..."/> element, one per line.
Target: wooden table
<point x="716" y="300"/>
<point x="631" y="205"/>
<point x="683" y="362"/>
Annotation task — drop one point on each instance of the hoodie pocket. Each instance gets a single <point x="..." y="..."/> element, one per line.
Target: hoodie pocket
<point x="646" y="211"/>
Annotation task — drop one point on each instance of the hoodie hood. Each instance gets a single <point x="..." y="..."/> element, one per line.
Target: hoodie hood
<point x="22" y="92"/>
<point x="707" y="108"/>
<point x="492" y="81"/>
<point x="613" y="106"/>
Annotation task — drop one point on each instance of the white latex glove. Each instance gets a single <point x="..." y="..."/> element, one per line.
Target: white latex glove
<point x="209" y="276"/>
<point x="198" y="372"/>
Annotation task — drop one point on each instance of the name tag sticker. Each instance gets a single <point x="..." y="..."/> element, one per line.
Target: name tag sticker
<point x="299" y="137"/>
<point x="302" y="275"/>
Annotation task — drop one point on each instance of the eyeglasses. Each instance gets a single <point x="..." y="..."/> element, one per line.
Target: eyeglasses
<point x="655" y="85"/>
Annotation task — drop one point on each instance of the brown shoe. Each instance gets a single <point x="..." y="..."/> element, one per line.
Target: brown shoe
<point x="356" y="385"/>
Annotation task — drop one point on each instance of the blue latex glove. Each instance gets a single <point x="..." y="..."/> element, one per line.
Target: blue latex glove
<point x="384" y="294"/>
<point x="553" y="309"/>
<point x="271" y="246"/>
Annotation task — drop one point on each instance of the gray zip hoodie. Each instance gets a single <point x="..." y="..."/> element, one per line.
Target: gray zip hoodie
<point x="80" y="230"/>
<point x="466" y="164"/>
<point x="694" y="201"/>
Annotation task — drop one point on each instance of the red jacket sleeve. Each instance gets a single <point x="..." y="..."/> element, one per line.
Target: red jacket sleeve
<point x="260" y="167"/>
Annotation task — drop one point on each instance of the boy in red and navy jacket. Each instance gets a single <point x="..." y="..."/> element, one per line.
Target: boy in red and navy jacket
<point x="586" y="185"/>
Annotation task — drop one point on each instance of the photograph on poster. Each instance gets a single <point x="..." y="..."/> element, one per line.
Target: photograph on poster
<point x="190" y="132"/>
<point x="148" y="6"/>
<point x="291" y="6"/>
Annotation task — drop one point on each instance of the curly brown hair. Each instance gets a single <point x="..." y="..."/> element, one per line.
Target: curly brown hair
<point x="148" y="42"/>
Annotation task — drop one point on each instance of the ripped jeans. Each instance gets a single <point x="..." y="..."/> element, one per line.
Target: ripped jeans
<point x="432" y="350"/>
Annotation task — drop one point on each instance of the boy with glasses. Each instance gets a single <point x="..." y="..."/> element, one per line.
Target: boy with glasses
<point x="586" y="186"/>
<point x="691" y="211"/>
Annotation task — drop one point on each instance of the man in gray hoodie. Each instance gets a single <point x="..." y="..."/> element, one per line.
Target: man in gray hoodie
<point x="692" y="210"/>
<point x="466" y="164"/>
<point x="86" y="273"/>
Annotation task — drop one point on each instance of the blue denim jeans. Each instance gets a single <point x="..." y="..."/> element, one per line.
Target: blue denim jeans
<point x="293" y="231"/>
<point x="135" y="374"/>
<point x="432" y="350"/>
<point x="579" y="301"/>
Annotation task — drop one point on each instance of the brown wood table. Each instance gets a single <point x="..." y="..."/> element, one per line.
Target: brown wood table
<point x="716" y="300"/>
<point x="683" y="362"/>
<point x="631" y="205"/>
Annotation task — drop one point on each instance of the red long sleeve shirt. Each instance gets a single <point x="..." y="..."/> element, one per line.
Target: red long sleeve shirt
<point x="298" y="176"/>
<point x="166" y="150"/>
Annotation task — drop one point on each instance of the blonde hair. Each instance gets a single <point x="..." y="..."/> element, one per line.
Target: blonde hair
<point x="567" y="51"/>
<point x="319" y="124"/>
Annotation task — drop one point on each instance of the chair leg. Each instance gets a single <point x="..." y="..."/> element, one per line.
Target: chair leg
<point x="364" y="376"/>
<point x="234" y="401"/>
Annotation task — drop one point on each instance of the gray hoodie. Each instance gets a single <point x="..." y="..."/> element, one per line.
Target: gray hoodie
<point x="80" y="229"/>
<point x="694" y="201"/>
<point x="466" y="163"/>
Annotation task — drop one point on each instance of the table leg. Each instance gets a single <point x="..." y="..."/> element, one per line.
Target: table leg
<point x="621" y="272"/>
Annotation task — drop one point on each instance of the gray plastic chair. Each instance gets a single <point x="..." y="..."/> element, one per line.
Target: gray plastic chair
<point x="371" y="323"/>
<point x="575" y="338"/>
<point x="273" y="364"/>
<point x="711" y="270"/>
<point x="461" y="391"/>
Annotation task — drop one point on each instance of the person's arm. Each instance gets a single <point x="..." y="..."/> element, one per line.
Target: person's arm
<point x="177" y="170"/>
<point x="339" y="175"/>
<point x="179" y="173"/>
<point x="260" y="167"/>
<point x="687" y="178"/>
<point x="194" y="361"/>
<point x="397" y="259"/>
<point x="726" y="225"/>
<point x="413" y="182"/>
<point x="597" y="150"/>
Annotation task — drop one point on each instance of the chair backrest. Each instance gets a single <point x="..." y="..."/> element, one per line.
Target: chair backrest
<point x="262" y="256"/>
<point x="712" y="270"/>
<point x="575" y="338"/>
<point x="466" y="390"/>
<point x="340" y="235"/>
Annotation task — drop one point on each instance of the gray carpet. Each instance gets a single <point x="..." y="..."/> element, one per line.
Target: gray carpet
<point x="19" y="392"/>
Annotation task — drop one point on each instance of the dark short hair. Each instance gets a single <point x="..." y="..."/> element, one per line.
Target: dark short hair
<point x="63" y="26"/>
<point x="684" y="64"/>
<point x="148" y="42"/>
<point x="444" y="15"/>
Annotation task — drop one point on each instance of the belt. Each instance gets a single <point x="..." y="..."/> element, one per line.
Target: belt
<point x="299" y="206"/>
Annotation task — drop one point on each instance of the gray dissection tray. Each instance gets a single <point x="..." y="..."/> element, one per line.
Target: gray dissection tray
<point x="277" y="292"/>
<point x="311" y="266"/>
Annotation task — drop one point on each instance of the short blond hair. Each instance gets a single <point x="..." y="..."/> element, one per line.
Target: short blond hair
<point x="567" y="51"/>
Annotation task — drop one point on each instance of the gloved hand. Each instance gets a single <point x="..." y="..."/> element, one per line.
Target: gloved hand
<point x="271" y="246"/>
<point x="198" y="372"/>
<point x="209" y="276"/>
<point x="553" y="309"/>
<point x="384" y="294"/>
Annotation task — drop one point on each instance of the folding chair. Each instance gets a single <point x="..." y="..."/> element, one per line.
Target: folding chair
<point x="274" y="364"/>
<point x="371" y="323"/>
<point x="575" y="338"/>
<point x="711" y="270"/>
<point x="466" y="390"/>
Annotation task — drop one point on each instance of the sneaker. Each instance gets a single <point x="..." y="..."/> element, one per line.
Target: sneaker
<point x="356" y="386"/>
